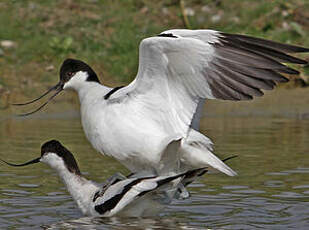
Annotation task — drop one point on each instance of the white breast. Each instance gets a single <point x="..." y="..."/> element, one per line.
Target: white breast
<point x="122" y="130"/>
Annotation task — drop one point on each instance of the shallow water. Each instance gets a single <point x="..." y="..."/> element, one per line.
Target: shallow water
<point x="271" y="191"/>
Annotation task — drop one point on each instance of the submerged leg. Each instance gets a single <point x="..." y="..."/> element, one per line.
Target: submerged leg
<point x="182" y="193"/>
<point x="112" y="180"/>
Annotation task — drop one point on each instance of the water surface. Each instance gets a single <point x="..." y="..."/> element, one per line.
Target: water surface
<point x="271" y="191"/>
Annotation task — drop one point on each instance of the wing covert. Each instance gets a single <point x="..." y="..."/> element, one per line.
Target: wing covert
<point x="189" y="65"/>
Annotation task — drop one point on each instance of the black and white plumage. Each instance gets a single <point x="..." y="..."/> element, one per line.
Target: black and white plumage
<point x="178" y="70"/>
<point x="138" y="195"/>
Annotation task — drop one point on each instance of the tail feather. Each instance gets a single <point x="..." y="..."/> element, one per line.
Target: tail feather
<point x="196" y="152"/>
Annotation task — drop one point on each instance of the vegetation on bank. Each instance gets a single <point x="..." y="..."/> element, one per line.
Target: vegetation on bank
<point x="37" y="35"/>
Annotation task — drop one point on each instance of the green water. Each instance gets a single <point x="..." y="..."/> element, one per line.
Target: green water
<point x="271" y="191"/>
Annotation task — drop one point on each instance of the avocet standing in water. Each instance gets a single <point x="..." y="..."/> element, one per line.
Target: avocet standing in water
<point x="138" y="195"/>
<point x="178" y="70"/>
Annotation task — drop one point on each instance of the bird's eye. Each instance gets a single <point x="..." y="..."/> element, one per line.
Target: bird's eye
<point x="70" y="74"/>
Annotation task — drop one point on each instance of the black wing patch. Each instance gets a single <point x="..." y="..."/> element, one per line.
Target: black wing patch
<point x="112" y="91"/>
<point x="162" y="182"/>
<point x="168" y="35"/>
<point x="191" y="175"/>
<point x="112" y="202"/>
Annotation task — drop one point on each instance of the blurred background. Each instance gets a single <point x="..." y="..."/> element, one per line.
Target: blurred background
<point x="37" y="35"/>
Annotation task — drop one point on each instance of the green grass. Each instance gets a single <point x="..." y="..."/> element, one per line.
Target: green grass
<point x="106" y="33"/>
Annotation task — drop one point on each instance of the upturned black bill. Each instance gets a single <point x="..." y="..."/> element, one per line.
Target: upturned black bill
<point x="37" y="160"/>
<point x="58" y="88"/>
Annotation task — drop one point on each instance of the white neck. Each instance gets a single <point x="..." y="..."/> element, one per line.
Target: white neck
<point x="81" y="189"/>
<point x="87" y="90"/>
<point x="91" y="92"/>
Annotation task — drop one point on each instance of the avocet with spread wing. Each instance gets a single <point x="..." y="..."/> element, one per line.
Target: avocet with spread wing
<point x="178" y="70"/>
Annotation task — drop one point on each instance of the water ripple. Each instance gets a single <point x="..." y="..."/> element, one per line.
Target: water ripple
<point x="270" y="192"/>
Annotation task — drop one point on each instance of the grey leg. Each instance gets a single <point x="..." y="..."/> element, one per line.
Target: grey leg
<point x="181" y="193"/>
<point x="111" y="180"/>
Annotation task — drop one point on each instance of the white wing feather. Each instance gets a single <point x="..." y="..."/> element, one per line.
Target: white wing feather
<point x="176" y="73"/>
<point x="166" y="68"/>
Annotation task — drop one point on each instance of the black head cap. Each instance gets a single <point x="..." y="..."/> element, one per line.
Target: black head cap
<point x="56" y="147"/>
<point x="70" y="66"/>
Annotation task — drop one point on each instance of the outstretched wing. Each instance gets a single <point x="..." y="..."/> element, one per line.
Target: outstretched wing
<point x="186" y="66"/>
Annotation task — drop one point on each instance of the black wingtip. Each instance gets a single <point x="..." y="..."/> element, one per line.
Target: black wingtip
<point x="302" y="49"/>
<point x="267" y="43"/>
<point x="229" y="158"/>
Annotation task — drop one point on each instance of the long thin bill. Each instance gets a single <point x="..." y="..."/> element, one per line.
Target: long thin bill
<point x="36" y="99"/>
<point x="43" y="105"/>
<point x="37" y="160"/>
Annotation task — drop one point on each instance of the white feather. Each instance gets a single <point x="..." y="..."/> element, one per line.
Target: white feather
<point x="134" y="125"/>
<point x="81" y="190"/>
<point x="132" y="203"/>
